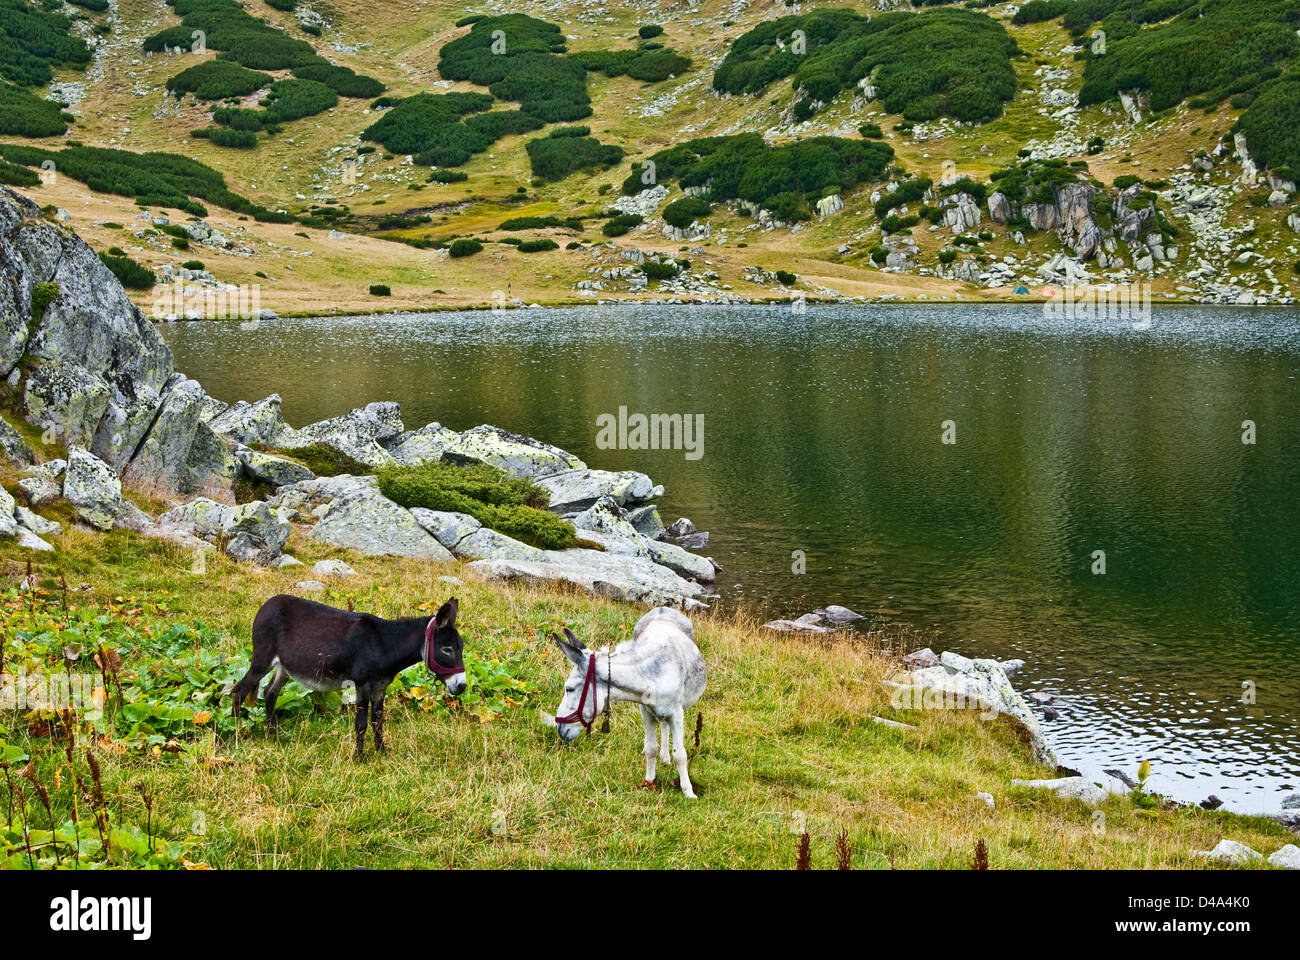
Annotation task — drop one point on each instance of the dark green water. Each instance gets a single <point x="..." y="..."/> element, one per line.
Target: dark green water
<point x="822" y="435"/>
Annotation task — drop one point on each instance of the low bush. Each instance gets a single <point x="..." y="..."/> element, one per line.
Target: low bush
<point x="217" y="80"/>
<point x="380" y="290"/>
<point x="465" y="247"/>
<point x="536" y="246"/>
<point x="556" y="157"/>
<point x="129" y="273"/>
<point x="659" y="270"/>
<point x="238" y="139"/>
<point x="538" y="223"/>
<point x="505" y="504"/>
<point x="24" y="114"/>
<point x="621" y="224"/>
<point x="684" y="211"/>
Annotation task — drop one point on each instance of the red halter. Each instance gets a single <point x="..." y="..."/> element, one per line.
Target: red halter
<point x="437" y="668"/>
<point x="589" y="683"/>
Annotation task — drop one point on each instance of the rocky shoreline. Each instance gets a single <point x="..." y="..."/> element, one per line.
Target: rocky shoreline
<point x="84" y="365"/>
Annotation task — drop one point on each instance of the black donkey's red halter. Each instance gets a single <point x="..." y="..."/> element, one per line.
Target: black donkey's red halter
<point x="437" y="668"/>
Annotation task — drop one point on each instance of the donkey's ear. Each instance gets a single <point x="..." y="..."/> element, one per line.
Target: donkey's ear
<point x="574" y="653"/>
<point x="445" y="618"/>
<point x="574" y="640"/>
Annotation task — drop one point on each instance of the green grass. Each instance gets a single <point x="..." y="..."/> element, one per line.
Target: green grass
<point x="787" y="739"/>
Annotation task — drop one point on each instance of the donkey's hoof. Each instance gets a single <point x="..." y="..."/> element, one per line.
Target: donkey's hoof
<point x="649" y="785"/>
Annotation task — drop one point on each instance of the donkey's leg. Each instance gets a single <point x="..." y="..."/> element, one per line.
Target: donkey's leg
<point x="362" y="705"/>
<point x="663" y="741"/>
<point x="262" y="660"/>
<point x="650" y="747"/>
<point x="377" y="716"/>
<point x="679" y="751"/>
<point x="278" y="680"/>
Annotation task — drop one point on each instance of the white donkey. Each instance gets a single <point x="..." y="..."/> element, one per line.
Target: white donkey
<point x="660" y="668"/>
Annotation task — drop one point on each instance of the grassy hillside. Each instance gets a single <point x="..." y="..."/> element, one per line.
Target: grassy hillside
<point x="324" y="160"/>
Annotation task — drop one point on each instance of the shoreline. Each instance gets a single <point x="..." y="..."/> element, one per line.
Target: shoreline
<point x="757" y="302"/>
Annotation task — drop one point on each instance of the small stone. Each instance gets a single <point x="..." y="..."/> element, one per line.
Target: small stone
<point x="332" y="568"/>
<point x="921" y="659"/>
<point x="838" y="614"/>
<point x="1077" y="788"/>
<point x="681" y="527"/>
<point x="1288" y="857"/>
<point x="311" y="586"/>
<point x="284" y="560"/>
<point x="1230" y="851"/>
<point x="987" y="798"/>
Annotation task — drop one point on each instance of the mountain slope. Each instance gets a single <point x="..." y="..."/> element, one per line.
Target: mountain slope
<point x="1220" y="224"/>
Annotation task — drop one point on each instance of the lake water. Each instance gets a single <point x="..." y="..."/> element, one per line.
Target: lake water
<point x="822" y="434"/>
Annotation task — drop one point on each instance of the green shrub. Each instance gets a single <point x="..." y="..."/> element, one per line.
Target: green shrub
<point x="325" y="461"/>
<point x="684" y="211"/>
<point x="448" y="176"/>
<point x="154" y="179"/>
<point x="537" y="246"/>
<point x="217" y="80"/>
<point x="871" y="131"/>
<point x="294" y="99"/>
<point x="646" y="31"/>
<point x="947" y="255"/>
<point x="465" y="247"/>
<point x="879" y="253"/>
<point x="380" y="290"/>
<point x="554" y="158"/>
<point x="782" y="179"/>
<point x="621" y="224"/>
<point x="16" y="176"/>
<point x="43" y="294"/>
<point x="507" y="505"/>
<point x="1126" y="180"/>
<point x="128" y="272"/>
<point x="24" y="114"/>
<point x="191" y="264"/>
<point x="539" y="223"/>
<point x="238" y="139"/>
<point x="285" y="5"/>
<point x="924" y="65"/>
<point x="659" y="270"/>
<point x="34" y="41"/>
<point x="786" y="278"/>
<point x="531" y="70"/>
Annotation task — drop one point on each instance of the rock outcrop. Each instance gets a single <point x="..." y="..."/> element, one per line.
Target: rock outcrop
<point x="95" y="375"/>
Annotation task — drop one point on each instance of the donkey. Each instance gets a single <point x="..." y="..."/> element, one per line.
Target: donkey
<point x="660" y="668"/>
<point x="322" y="648"/>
